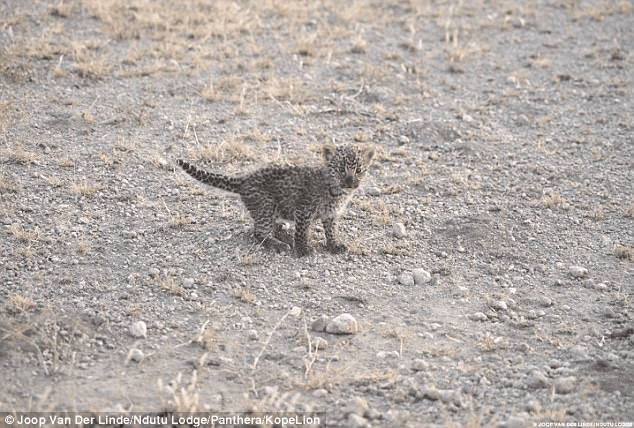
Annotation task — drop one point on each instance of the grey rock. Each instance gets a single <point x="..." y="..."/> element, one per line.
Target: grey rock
<point x="357" y="406"/>
<point x="372" y="191"/>
<point x="514" y="422"/>
<point x="421" y="276"/>
<point x="138" y="329"/>
<point x="420" y="365"/>
<point x="406" y="278"/>
<point x="356" y="421"/>
<point x="136" y="355"/>
<point x="577" y="271"/>
<point x="320" y="323"/>
<point x="343" y="324"/>
<point x="399" y="231"/>
<point x="536" y="380"/>
<point x="579" y="353"/>
<point x="320" y="393"/>
<point x="478" y="316"/>
<point x="500" y="305"/>
<point x="565" y="385"/>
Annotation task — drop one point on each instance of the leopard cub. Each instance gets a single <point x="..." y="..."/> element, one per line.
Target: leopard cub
<point x="301" y="194"/>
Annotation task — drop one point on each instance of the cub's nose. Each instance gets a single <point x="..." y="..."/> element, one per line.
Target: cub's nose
<point x="350" y="183"/>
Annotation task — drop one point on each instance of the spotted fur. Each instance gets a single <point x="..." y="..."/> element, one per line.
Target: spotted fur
<point x="301" y="194"/>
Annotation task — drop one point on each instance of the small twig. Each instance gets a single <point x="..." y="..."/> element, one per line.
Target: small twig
<point x="268" y="340"/>
<point x="195" y="135"/>
<point x="168" y="210"/>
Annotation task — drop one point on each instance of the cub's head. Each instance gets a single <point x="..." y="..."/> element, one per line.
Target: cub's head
<point x="349" y="163"/>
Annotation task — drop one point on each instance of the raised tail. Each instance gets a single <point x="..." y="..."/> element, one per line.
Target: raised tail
<point x="231" y="184"/>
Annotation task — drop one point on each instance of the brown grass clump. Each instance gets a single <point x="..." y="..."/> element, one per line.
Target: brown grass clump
<point x="26" y="235"/>
<point x="243" y="294"/>
<point x="85" y="188"/>
<point x="228" y="152"/>
<point x="8" y="186"/>
<point x="22" y="156"/>
<point x="624" y="252"/>
<point x="17" y="303"/>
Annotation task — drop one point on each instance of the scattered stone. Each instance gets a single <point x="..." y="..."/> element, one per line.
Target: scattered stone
<point x="403" y="139"/>
<point x="373" y="414"/>
<point x="356" y="421"/>
<point x="372" y="191"/>
<point x="421" y="276"/>
<point x="383" y="355"/>
<point x="357" y="406"/>
<point x="537" y="380"/>
<point x="577" y="271"/>
<point x="420" y="365"/>
<point x="579" y="353"/>
<point x="565" y="385"/>
<point x="320" y="343"/>
<point x="138" y="329"/>
<point x="398" y="229"/>
<point x="269" y="390"/>
<point x="343" y="324"/>
<point x="460" y="291"/>
<point x="514" y="422"/>
<point x="602" y="286"/>
<point x="545" y="301"/>
<point x="500" y="305"/>
<point x="554" y="363"/>
<point x="136" y="355"/>
<point x="320" y="323"/>
<point x="320" y="393"/>
<point x="478" y="316"/>
<point x="406" y="278"/>
<point x="533" y="406"/>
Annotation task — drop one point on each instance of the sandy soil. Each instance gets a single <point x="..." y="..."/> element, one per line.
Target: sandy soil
<point x="491" y="262"/>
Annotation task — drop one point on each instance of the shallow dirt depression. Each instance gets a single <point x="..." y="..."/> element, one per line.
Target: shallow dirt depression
<point x="490" y="270"/>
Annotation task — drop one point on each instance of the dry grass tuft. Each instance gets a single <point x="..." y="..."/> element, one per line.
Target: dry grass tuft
<point x="233" y="150"/>
<point x="22" y="156"/>
<point x="17" y="303"/>
<point x="170" y="286"/>
<point x="243" y="294"/>
<point x="26" y="235"/>
<point x="624" y="252"/>
<point x="8" y="186"/>
<point x="85" y="188"/>
<point x="26" y="252"/>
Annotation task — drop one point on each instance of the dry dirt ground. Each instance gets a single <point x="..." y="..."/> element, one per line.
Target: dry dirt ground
<point x="504" y="144"/>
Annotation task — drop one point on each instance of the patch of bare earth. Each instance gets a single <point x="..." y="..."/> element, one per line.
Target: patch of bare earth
<point x="491" y="263"/>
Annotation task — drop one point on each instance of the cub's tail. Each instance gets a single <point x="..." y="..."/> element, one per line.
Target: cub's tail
<point x="231" y="184"/>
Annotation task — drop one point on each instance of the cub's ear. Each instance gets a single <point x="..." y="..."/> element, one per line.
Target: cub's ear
<point x="329" y="151"/>
<point x="368" y="153"/>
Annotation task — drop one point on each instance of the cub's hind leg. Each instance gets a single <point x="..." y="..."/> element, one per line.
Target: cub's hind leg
<point x="264" y="224"/>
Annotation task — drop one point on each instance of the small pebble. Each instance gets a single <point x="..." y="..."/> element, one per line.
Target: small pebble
<point x="577" y="271"/>
<point x="136" y="355"/>
<point x="478" y="316"/>
<point x="420" y="365"/>
<point x="398" y="229"/>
